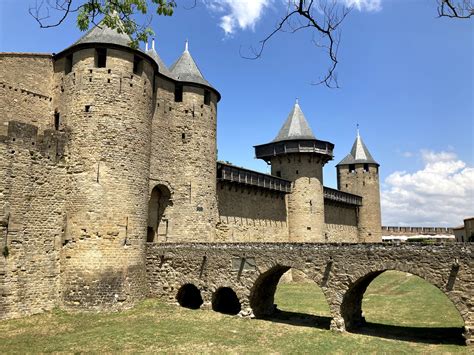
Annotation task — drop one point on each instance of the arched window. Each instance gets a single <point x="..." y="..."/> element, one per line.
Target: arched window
<point x="158" y="223"/>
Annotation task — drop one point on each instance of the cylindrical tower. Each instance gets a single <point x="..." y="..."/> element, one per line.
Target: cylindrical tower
<point x="358" y="173"/>
<point x="104" y="101"/>
<point x="184" y="133"/>
<point x="295" y="154"/>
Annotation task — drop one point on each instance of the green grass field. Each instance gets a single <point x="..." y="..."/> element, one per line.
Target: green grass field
<point x="395" y="303"/>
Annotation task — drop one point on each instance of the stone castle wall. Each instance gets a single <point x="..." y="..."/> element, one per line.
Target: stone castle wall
<point x="250" y="214"/>
<point x="341" y="222"/>
<point x="32" y="218"/>
<point x="25" y="89"/>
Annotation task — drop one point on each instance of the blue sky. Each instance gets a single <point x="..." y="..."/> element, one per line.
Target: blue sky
<point x="406" y="77"/>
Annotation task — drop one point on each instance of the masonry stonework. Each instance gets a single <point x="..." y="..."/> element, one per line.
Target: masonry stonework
<point x="109" y="182"/>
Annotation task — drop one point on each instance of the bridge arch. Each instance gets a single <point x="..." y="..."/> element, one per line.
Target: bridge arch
<point x="189" y="296"/>
<point x="351" y="306"/>
<point x="225" y="300"/>
<point x="262" y="292"/>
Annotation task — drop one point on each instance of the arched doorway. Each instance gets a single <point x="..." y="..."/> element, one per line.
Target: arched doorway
<point x="399" y="305"/>
<point x="225" y="300"/>
<point x="158" y="223"/>
<point x="189" y="296"/>
<point x="292" y="299"/>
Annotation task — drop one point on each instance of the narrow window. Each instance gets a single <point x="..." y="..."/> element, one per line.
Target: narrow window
<point x="352" y="168"/>
<point x="278" y="173"/>
<point x="137" y="65"/>
<point x="178" y="93"/>
<point x="56" y="121"/>
<point x="87" y="108"/>
<point x="101" y="57"/>
<point x="183" y="136"/>
<point x="366" y="167"/>
<point x="297" y="172"/>
<point x="207" y="97"/>
<point x="68" y="64"/>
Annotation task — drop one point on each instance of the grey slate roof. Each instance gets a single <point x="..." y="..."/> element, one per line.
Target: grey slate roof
<point x="185" y="69"/>
<point x="295" y="126"/>
<point x="359" y="154"/>
<point x="103" y="34"/>
<point x="162" y="68"/>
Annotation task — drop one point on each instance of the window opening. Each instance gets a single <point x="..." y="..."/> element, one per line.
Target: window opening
<point x="68" y="64"/>
<point x="56" y="121"/>
<point x="178" y="93"/>
<point x="137" y="65"/>
<point x="352" y="168"/>
<point x="366" y="167"/>
<point x="207" y="97"/>
<point x="101" y="54"/>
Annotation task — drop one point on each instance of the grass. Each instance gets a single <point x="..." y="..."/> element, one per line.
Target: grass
<point x="153" y="326"/>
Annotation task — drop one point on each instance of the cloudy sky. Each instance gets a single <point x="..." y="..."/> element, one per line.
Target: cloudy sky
<point x="406" y="77"/>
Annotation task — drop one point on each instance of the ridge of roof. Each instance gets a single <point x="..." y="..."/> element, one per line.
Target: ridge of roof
<point x="359" y="154"/>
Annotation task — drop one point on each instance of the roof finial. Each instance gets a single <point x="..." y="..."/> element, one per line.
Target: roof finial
<point x="146" y="46"/>
<point x="358" y="135"/>
<point x="296" y="103"/>
<point x="186" y="45"/>
<point x="153" y="43"/>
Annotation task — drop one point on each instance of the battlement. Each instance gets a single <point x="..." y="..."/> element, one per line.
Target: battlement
<point x="340" y="196"/>
<point x="395" y="230"/>
<point x="50" y="144"/>
<point x="231" y="173"/>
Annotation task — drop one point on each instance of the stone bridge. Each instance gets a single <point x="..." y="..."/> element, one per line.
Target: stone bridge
<point x="243" y="277"/>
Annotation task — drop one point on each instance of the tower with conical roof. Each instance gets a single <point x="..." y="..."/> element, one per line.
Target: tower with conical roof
<point x="103" y="97"/>
<point x="296" y="155"/>
<point x="358" y="173"/>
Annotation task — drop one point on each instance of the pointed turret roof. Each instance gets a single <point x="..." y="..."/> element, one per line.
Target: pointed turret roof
<point x="185" y="69"/>
<point x="295" y="127"/>
<point x="359" y="154"/>
<point x="101" y="33"/>
<point x="162" y="68"/>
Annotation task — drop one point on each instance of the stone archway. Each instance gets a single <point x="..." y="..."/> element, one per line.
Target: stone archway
<point x="189" y="296"/>
<point x="225" y="300"/>
<point x="158" y="223"/>
<point x="354" y="319"/>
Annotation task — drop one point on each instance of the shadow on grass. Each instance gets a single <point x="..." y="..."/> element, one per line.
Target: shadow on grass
<point x="415" y="334"/>
<point x="299" y="319"/>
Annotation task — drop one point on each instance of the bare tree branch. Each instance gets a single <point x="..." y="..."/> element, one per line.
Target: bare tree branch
<point x="462" y="9"/>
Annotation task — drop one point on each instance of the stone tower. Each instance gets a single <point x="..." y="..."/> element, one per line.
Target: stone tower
<point x="358" y="173"/>
<point x="184" y="153"/>
<point x="296" y="155"/>
<point x="103" y="99"/>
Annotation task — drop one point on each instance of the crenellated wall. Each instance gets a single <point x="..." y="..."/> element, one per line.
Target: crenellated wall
<point x="33" y="193"/>
<point x="25" y="89"/>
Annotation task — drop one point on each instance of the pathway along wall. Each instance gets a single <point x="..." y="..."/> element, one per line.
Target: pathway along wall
<point x="341" y="270"/>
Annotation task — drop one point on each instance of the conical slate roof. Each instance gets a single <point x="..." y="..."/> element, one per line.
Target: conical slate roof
<point x="101" y="33"/>
<point x="359" y="154"/>
<point x="162" y="68"/>
<point x="295" y="126"/>
<point x="185" y="69"/>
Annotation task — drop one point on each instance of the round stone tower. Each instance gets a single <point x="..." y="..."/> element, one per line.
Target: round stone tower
<point x="358" y="173"/>
<point x="296" y="155"/>
<point x="184" y="153"/>
<point x="104" y="102"/>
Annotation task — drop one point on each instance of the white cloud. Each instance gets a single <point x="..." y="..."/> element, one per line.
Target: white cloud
<point x="243" y="14"/>
<point x="364" y="5"/>
<point x="440" y="194"/>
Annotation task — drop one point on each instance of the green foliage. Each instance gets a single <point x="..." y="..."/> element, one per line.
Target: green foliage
<point x="119" y="15"/>
<point x="154" y="326"/>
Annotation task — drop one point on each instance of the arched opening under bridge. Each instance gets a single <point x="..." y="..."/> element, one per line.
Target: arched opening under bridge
<point x="225" y="300"/>
<point x="399" y="305"/>
<point x="189" y="296"/>
<point x="287" y="295"/>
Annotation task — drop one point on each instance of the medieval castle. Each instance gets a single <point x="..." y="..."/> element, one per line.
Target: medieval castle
<point x="103" y="149"/>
